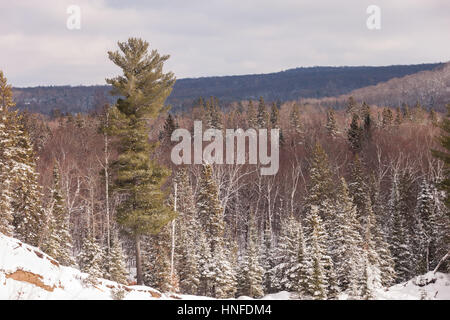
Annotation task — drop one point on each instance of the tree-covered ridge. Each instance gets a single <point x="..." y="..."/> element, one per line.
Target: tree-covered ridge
<point x="292" y="84"/>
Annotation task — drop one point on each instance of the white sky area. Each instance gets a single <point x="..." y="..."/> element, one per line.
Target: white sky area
<point x="210" y="37"/>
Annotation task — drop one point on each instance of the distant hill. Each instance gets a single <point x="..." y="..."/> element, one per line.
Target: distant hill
<point x="431" y="88"/>
<point x="293" y="84"/>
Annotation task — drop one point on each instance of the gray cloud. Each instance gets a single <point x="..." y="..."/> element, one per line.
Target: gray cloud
<point x="216" y="37"/>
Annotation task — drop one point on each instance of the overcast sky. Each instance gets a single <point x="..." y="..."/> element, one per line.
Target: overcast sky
<point x="210" y="37"/>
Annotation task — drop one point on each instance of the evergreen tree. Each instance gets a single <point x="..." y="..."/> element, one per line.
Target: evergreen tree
<point x="26" y="202"/>
<point x="263" y="115"/>
<point x="251" y="273"/>
<point x="274" y="116"/>
<point x="295" y="120"/>
<point x="90" y="257"/>
<point x="331" y="125"/>
<point x="168" y="129"/>
<point x="187" y="229"/>
<point x="351" y="107"/>
<point x="407" y="115"/>
<point x="218" y="277"/>
<point x="223" y="274"/>
<point x="116" y="262"/>
<point x="267" y="260"/>
<point x="214" y="119"/>
<point x="398" y="117"/>
<point x="318" y="281"/>
<point x="440" y="230"/>
<point x="358" y="188"/>
<point x="367" y="125"/>
<point x="354" y="134"/>
<point x="156" y="261"/>
<point x="422" y="239"/>
<point x="139" y="179"/>
<point x="6" y="211"/>
<point x="346" y="243"/>
<point x="252" y="115"/>
<point x="321" y="188"/>
<point x="18" y="174"/>
<point x="378" y="210"/>
<point x="58" y="241"/>
<point x="204" y="265"/>
<point x="289" y="271"/>
<point x="433" y="118"/>
<point x="399" y="237"/>
<point x="387" y="117"/>
<point x="372" y="261"/>
<point x="209" y="209"/>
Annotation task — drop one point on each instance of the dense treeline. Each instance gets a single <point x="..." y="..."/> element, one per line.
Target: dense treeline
<point x="293" y="84"/>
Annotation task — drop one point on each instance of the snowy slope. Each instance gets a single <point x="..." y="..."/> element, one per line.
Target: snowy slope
<point x="427" y="287"/>
<point x="28" y="273"/>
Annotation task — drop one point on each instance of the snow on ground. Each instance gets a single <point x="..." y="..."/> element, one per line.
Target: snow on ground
<point x="28" y="273"/>
<point x="427" y="287"/>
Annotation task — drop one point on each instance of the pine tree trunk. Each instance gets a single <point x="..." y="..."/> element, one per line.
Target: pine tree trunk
<point x="139" y="278"/>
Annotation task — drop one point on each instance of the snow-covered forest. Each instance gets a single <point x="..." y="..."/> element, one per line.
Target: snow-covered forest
<point x="357" y="204"/>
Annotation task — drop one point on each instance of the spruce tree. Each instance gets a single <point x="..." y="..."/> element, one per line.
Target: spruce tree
<point x="90" y="257"/>
<point x="331" y="125"/>
<point x="351" y="107"/>
<point x="223" y="274"/>
<point x="6" y="211"/>
<point x="58" y="241"/>
<point x="295" y="120"/>
<point x="267" y="259"/>
<point x="187" y="229"/>
<point x="398" y="117"/>
<point x="218" y="277"/>
<point x="387" y="117"/>
<point x="156" y="261"/>
<point x="274" y="116"/>
<point x="355" y="134"/>
<point x="422" y="238"/>
<point x="347" y="243"/>
<point x="21" y="193"/>
<point x="252" y="115"/>
<point x="205" y="265"/>
<point x="168" y="129"/>
<point x="358" y="188"/>
<point x="318" y="281"/>
<point x="251" y="273"/>
<point x="263" y="115"/>
<point x="143" y="88"/>
<point x="321" y="187"/>
<point x="116" y="262"/>
<point x="399" y="237"/>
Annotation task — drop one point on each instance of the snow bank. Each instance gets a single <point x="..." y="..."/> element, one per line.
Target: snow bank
<point x="427" y="287"/>
<point x="28" y="273"/>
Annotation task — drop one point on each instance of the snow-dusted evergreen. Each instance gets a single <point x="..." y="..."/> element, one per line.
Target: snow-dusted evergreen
<point x="58" y="240"/>
<point x="251" y="274"/>
<point x="91" y="257"/>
